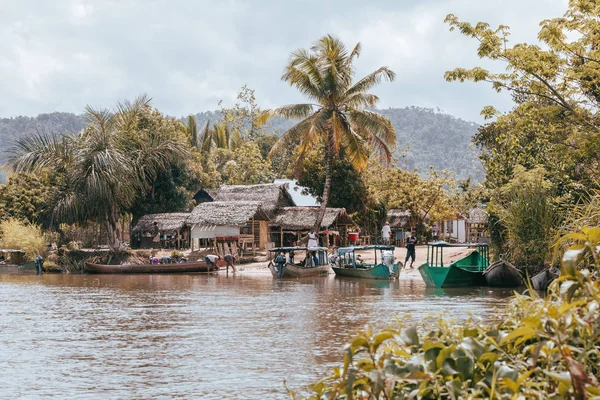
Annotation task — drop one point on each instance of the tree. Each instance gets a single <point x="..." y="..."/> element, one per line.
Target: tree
<point x="28" y="197"/>
<point x="104" y="168"/>
<point x="337" y="118"/>
<point x="192" y="130"/>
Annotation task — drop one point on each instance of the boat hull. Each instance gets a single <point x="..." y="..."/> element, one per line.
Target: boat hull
<point x="295" y="271"/>
<point x="542" y="280"/>
<point x="503" y="274"/>
<point x="376" y="272"/>
<point x="451" y="276"/>
<point x="92" y="268"/>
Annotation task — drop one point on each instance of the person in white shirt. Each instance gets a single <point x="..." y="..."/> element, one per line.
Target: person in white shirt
<point x="313" y="239"/>
<point x="386" y="232"/>
<point x="211" y="261"/>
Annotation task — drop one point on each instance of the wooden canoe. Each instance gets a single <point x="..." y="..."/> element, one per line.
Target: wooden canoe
<point x="298" y="271"/>
<point x="503" y="274"/>
<point x="92" y="268"/>
<point x="379" y="271"/>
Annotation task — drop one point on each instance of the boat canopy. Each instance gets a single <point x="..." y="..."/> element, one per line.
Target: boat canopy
<point x="360" y="248"/>
<point x="441" y="243"/>
<point x="288" y="249"/>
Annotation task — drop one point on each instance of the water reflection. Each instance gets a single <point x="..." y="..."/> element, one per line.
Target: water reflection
<point x="203" y="336"/>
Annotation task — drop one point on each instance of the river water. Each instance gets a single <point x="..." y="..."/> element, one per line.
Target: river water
<point x="197" y="336"/>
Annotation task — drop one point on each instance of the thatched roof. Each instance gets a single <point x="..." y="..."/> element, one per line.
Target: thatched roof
<point x="204" y="195"/>
<point x="226" y="213"/>
<point x="478" y="216"/>
<point x="302" y="218"/>
<point x="398" y="218"/>
<point x="270" y="196"/>
<point x="167" y="222"/>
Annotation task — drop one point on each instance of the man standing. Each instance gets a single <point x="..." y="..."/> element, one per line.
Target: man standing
<point x="386" y="231"/>
<point x="279" y="262"/>
<point x="211" y="261"/>
<point x="411" y="242"/>
<point x="39" y="265"/>
<point x="435" y="232"/>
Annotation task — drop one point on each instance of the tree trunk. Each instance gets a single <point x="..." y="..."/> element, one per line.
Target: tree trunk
<point x="326" y="189"/>
<point x="112" y="231"/>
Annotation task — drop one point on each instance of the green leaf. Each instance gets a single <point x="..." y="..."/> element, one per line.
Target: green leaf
<point x="410" y="336"/>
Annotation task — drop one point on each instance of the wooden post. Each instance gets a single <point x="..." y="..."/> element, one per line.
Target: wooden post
<point x="281" y="237"/>
<point x="253" y="240"/>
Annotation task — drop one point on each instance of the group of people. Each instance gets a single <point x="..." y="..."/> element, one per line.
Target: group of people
<point x="211" y="261"/>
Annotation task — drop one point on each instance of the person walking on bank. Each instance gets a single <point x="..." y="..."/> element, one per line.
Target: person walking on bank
<point x="386" y="231"/>
<point x="411" y="242"/>
<point x="229" y="260"/>
<point x="39" y="265"/>
<point x="279" y="262"/>
<point x="211" y="262"/>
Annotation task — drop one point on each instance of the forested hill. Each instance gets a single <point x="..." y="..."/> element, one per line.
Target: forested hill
<point x="433" y="138"/>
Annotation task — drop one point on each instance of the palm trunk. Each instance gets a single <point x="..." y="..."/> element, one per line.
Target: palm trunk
<point x="112" y="231"/>
<point x="326" y="189"/>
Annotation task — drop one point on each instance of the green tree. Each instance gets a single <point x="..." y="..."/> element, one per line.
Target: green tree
<point x="338" y="117"/>
<point x="104" y="168"/>
<point x="28" y="197"/>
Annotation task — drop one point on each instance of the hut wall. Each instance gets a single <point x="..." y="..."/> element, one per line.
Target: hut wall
<point x="264" y="234"/>
<point x="204" y="232"/>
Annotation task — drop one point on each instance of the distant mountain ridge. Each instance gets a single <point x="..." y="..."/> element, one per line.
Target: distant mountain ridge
<point x="433" y="138"/>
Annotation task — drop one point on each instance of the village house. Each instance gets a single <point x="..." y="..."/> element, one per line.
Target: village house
<point x="171" y="228"/>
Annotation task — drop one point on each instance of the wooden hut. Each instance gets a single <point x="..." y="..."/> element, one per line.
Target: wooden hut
<point x="400" y="221"/>
<point x="291" y="223"/>
<point x="477" y="225"/>
<point x="243" y="219"/>
<point x="171" y="228"/>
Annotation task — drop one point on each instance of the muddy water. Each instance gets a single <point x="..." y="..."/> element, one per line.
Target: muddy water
<point x="194" y="336"/>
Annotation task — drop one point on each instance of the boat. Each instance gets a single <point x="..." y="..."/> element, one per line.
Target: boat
<point x="503" y="274"/>
<point x="348" y="264"/>
<point x="179" y="268"/>
<point x="542" y="280"/>
<point x="468" y="271"/>
<point x="301" y="261"/>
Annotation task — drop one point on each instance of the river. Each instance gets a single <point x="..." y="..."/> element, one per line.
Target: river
<point x="197" y="336"/>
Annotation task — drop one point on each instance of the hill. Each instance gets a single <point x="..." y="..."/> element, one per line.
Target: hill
<point x="432" y="137"/>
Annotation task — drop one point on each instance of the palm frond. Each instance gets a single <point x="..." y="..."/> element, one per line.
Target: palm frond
<point x="207" y="140"/>
<point x="374" y="123"/>
<point x="361" y="100"/>
<point x="369" y="81"/>
<point x="38" y="151"/>
<point x="354" y="144"/>
<point x="293" y="111"/>
<point x="192" y="130"/>
<point x="308" y="129"/>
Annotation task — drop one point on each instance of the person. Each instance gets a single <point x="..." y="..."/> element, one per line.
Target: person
<point x="410" y="249"/>
<point x="211" y="261"/>
<point x="435" y="232"/>
<point x="279" y="262"/>
<point x="359" y="260"/>
<point x="229" y="259"/>
<point x="386" y="232"/>
<point x="313" y="239"/>
<point x="39" y="264"/>
<point x="165" y="260"/>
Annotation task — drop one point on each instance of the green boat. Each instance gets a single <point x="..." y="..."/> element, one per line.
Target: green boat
<point x="347" y="263"/>
<point x="467" y="271"/>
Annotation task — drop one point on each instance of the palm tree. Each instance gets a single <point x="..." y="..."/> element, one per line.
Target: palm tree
<point x="105" y="167"/>
<point x="192" y="130"/>
<point x="337" y="116"/>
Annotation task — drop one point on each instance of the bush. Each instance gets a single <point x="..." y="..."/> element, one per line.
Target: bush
<point x="15" y="234"/>
<point x="541" y="348"/>
<point x="51" y="266"/>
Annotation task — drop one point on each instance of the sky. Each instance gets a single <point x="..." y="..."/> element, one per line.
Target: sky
<point x="187" y="55"/>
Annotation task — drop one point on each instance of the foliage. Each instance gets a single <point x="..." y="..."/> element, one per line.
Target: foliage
<point x="337" y="116"/>
<point x="247" y="167"/>
<point x="176" y="255"/>
<point x="425" y="198"/>
<point x="540" y="347"/>
<point x="15" y="234"/>
<point x="528" y="217"/>
<point x="28" y="197"/>
<point x="108" y="165"/>
<point x="556" y="89"/>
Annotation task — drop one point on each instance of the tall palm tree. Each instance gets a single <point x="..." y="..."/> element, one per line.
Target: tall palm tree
<point x="337" y="116"/>
<point x="105" y="167"/>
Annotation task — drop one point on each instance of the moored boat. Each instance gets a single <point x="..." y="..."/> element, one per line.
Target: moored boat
<point x="468" y="271"/>
<point x="503" y="274"/>
<point x="301" y="261"/>
<point x="348" y="264"/>
<point x="542" y="280"/>
<point x="179" y="268"/>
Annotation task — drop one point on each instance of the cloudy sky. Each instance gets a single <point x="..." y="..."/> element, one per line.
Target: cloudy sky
<point x="61" y="55"/>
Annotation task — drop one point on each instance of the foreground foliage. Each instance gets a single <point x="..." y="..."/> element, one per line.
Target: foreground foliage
<point x="541" y="347"/>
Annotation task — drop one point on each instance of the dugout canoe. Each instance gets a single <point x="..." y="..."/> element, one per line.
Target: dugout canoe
<point x="503" y="274"/>
<point x="92" y="268"/>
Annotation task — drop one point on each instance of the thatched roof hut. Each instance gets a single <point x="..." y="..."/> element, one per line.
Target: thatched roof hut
<point x="303" y="218"/>
<point x="270" y="196"/>
<point x="226" y="213"/>
<point x="203" y="196"/>
<point x="398" y="218"/>
<point x="167" y="222"/>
